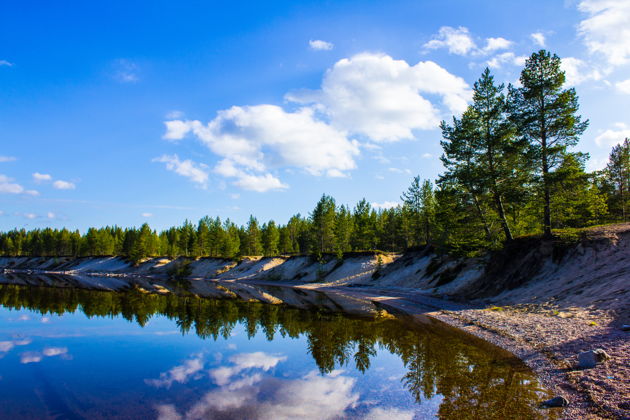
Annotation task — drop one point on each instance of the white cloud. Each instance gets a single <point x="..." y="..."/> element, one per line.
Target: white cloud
<point x="30" y="216"/>
<point x="174" y="115"/>
<point x="381" y="98"/>
<point x="51" y="215"/>
<point x="147" y="215"/>
<point x="385" y="205"/>
<point x="613" y="136"/>
<point x="606" y="31"/>
<point x="320" y="45"/>
<point x="459" y="41"/>
<point x="456" y="40"/>
<point x="125" y="71"/>
<point x="7" y="159"/>
<point x="37" y="177"/>
<point x="54" y="351"/>
<point x="495" y="44"/>
<point x="538" y="38"/>
<point x="427" y="156"/>
<point x="7" y="186"/>
<point x="248" y="181"/>
<point x="252" y="139"/>
<point x="578" y="71"/>
<point x="399" y="170"/>
<point x="181" y="373"/>
<point x="197" y="173"/>
<point x="623" y="86"/>
<point x="5" y="63"/>
<point x="506" y="58"/>
<point x="63" y="185"/>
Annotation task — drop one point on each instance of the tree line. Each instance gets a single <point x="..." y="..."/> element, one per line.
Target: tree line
<point x="509" y="171"/>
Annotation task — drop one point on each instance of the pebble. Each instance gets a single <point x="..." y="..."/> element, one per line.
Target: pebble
<point x="556" y="402"/>
<point x="590" y="359"/>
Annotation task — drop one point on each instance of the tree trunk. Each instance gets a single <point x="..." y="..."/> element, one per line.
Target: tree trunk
<point x="501" y="211"/>
<point x="482" y="216"/>
<point x="546" y="187"/>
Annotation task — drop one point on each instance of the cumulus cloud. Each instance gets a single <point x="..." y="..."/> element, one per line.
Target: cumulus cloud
<point x="8" y="186"/>
<point x="147" y="215"/>
<point x="7" y="159"/>
<point x="63" y="185"/>
<point x="456" y="40"/>
<point x="623" y="86"/>
<point x="538" y="38"/>
<point x="253" y="139"/>
<point x="506" y="58"/>
<point x="459" y="41"/>
<point x="196" y="172"/>
<point x="370" y="97"/>
<point x="495" y="44"/>
<point x="181" y="373"/>
<point x="37" y="177"/>
<point x="381" y="98"/>
<point x="605" y="31"/>
<point x="385" y="205"/>
<point x="613" y="136"/>
<point x="578" y="71"/>
<point x="319" y="45"/>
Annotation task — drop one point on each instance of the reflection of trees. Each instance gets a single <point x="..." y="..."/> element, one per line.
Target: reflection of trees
<point x="474" y="379"/>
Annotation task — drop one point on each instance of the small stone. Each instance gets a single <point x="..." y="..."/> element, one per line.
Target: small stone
<point x="590" y="359"/>
<point x="556" y="402"/>
<point x="625" y="327"/>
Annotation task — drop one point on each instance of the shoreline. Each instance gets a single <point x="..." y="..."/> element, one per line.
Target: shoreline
<point x="550" y="355"/>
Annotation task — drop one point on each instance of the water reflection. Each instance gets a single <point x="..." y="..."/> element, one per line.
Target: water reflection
<point x="444" y="373"/>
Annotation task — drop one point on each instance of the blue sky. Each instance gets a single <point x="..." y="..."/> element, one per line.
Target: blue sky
<point x="126" y="112"/>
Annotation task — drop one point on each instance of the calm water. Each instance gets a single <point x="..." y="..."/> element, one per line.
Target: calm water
<point x="78" y="354"/>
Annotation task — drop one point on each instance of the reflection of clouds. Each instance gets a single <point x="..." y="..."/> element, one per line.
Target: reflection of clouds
<point x="55" y="351"/>
<point x="389" y="413"/>
<point x="255" y="396"/>
<point x="24" y="317"/>
<point x="179" y="373"/>
<point x="45" y="320"/>
<point x="6" y="346"/>
<point x="242" y="361"/>
<point x="36" y="357"/>
<point x="30" y="357"/>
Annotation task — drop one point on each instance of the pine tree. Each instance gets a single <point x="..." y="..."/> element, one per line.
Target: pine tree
<point x="618" y="173"/>
<point x="546" y="117"/>
<point x="323" y="225"/>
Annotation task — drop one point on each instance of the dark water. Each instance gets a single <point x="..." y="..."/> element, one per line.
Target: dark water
<point x="79" y="354"/>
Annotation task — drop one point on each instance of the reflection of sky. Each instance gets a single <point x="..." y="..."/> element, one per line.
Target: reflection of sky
<point x="78" y="366"/>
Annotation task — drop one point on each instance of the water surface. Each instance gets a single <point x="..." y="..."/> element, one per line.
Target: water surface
<point x="80" y="354"/>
